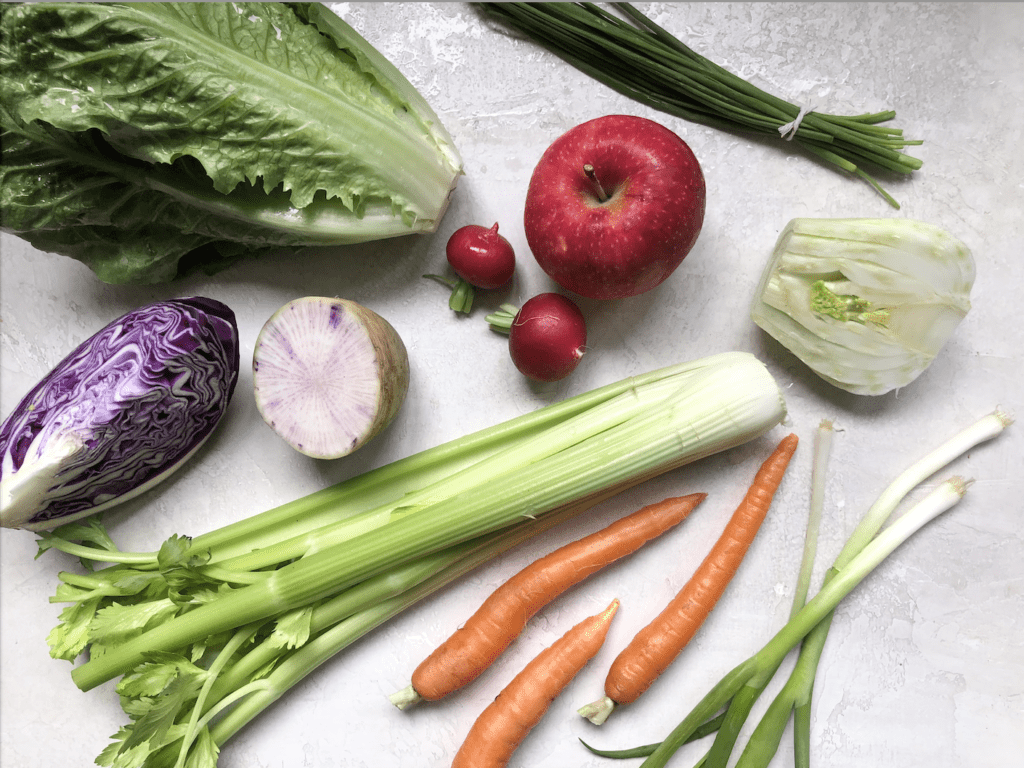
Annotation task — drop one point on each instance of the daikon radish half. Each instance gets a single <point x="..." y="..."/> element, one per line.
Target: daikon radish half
<point x="329" y="375"/>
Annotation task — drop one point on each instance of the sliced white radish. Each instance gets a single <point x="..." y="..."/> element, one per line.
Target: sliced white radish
<point x="329" y="374"/>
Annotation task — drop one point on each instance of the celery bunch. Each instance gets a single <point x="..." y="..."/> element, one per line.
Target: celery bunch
<point x="208" y="631"/>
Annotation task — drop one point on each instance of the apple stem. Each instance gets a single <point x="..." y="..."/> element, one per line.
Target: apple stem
<point x="588" y="169"/>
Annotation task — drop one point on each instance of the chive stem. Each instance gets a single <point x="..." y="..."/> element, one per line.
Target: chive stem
<point x="645" y="62"/>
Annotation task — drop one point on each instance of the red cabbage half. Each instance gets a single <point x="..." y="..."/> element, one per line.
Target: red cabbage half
<point x="119" y="414"/>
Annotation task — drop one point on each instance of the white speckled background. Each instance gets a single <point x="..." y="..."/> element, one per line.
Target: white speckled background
<point x="924" y="666"/>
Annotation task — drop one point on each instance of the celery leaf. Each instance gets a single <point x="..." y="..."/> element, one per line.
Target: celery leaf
<point x="116" y="623"/>
<point x="292" y="629"/>
<point x="71" y="635"/>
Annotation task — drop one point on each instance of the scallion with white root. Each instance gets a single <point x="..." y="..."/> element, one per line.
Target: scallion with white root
<point x="866" y="548"/>
<point x="281" y="579"/>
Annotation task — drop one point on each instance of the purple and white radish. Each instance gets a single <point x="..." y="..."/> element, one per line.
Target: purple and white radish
<point x="329" y="375"/>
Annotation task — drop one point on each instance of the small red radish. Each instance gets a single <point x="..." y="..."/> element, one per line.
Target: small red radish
<point x="547" y="338"/>
<point x="481" y="256"/>
<point x="328" y="374"/>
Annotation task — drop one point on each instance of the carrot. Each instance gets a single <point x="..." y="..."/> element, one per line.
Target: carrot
<point x="660" y="642"/>
<point x="502" y="726"/>
<point x="504" y="614"/>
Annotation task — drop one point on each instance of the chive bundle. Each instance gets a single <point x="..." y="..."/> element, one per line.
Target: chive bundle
<point x="643" y="61"/>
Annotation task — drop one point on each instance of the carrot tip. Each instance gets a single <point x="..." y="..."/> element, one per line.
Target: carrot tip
<point x="405" y="698"/>
<point x="597" y="711"/>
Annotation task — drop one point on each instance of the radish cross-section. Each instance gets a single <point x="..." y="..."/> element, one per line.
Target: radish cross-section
<point x="328" y="374"/>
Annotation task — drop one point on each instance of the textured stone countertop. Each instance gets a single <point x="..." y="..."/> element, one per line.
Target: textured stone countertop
<point x="925" y="662"/>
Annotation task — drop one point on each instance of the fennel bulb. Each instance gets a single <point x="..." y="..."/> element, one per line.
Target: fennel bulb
<point x="866" y="303"/>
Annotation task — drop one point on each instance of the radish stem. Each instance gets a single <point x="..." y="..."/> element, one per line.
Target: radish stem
<point x="462" y="293"/>
<point x="501" y="321"/>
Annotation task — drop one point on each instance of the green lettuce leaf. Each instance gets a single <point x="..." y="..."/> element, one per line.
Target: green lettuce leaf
<point x="153" y="138"/>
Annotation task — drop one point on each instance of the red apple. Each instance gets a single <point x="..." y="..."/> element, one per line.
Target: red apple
<point x="614" y="206"/>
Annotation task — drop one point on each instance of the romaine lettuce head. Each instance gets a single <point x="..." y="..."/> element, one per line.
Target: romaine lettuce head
<point x="146" y="139"/>
<point x="866" y="303"/>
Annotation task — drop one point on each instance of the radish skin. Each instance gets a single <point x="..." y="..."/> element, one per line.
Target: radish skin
<point x="329" y="375"/>
<point x="548" y="337"/>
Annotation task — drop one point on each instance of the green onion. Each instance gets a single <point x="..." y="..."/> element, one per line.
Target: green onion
<point x="751" y="676"/>
<point x="649" y="65"/>
<point x="808" y="627"/>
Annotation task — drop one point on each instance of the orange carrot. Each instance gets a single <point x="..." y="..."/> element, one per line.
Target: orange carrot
<point x="657" y="645"/>
<point x="506" y="721"/>
<point x="503" y="615"/>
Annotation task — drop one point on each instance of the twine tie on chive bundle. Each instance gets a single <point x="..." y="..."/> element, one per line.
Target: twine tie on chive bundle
<point x="788" y="131"/>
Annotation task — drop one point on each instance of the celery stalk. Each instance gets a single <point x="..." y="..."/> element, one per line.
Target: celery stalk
<point x="389" y="484"/>
<point x="240" y="693"/>
<point x="716" y="407"/>
<point x="557" y="437"/>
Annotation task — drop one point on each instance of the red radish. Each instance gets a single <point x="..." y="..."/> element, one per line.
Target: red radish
<point x="328" y="374"/>
<point x="481" y="256"/>
<point x="546" y="338"/>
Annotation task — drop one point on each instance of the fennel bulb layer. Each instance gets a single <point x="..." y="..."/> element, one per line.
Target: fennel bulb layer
<point x="866" y="303"/>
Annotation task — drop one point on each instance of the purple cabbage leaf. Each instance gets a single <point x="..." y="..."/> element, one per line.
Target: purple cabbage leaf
<point x="119" y="414"/>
